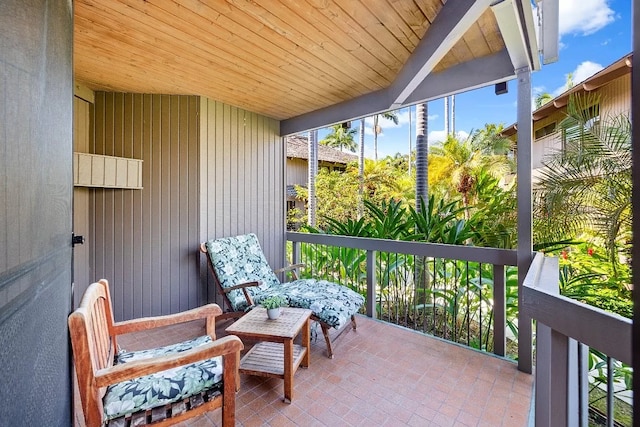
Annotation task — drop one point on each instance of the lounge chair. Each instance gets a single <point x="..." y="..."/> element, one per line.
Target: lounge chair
<point x="244" y="278"/>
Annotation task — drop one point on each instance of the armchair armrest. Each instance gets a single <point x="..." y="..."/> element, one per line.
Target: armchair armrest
<point x="243" y="286"/>
<point x="292" y="268"/>
<point x="227" y="346"/>
<point x="209" y="312"/>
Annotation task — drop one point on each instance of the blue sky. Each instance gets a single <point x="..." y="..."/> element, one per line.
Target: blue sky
<point x="593" y="34"/>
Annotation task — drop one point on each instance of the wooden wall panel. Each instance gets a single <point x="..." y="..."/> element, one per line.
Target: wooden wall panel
<point x="82" y="134"/>
<point x="144" y="240"/>
<point x="616" y="98"/>
<point x="297" y="171"/>
<point x="242" y="179"/>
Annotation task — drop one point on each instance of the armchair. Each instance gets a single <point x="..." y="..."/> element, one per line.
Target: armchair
<point x="159" y="386"/>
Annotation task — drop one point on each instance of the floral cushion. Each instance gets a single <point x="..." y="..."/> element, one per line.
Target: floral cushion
<point x="164" y="387"/>
<point x="332" y="303"/>
<point x="240" y="259"/>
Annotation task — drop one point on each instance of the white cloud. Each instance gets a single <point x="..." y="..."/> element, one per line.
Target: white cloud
<point x="584" y="16"/>
<point x="583" y="71"/>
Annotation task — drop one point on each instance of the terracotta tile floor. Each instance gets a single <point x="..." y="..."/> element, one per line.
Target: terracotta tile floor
<point x="381" y="375"/>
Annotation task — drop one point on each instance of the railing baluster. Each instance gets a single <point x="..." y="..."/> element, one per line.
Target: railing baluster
<point x="371" y="284"/>
<point x="468" y="302"/>
<point x="480" y="305"/>
<point x="583" y="385"/>
<point x="610" y="392"/>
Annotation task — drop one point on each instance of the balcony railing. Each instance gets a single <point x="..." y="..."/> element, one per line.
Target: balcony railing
<point x="469" y="295"/>
<point x="566" y="331"/>
<point x="463" y="294"/>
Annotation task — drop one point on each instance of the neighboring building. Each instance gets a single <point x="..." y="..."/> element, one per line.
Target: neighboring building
<point x="298" y="166"/>
<point x="612" y="84"/>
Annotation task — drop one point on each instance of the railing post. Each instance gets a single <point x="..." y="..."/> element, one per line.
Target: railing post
<point x="559" y="379"/>
<point x="583" y="384"/>
<point x="525" y="219"/>
<point x="543" y="392"/>
<point x="499" y="311"/>
<point x="371" y="284"/>
<point x="573" y="383"/>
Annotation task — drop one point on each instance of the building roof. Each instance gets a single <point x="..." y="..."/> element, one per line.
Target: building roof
<point x="298" y="148"/>
<point x="618" y="69"/>
<point x="307" y="64"/>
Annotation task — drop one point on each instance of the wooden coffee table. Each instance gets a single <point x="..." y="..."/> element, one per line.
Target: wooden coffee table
<point x="275" y="355"/>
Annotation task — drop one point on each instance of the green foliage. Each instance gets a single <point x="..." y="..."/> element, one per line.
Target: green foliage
<point x="273" y="302"/>
<point x="341" y="138"/>
<point x="587" y="187"/>
<point x="590" y="179"/>
<point x="494" y="216"/>
<point x="587" y="275"/>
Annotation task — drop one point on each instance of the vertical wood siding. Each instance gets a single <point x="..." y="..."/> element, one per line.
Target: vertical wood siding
<point x="616" y="98"/>
<point x="242" y="179"/>
<point x="82" y="132"/>
<point x="144" y="240"/>
<point x="297" y="171"/>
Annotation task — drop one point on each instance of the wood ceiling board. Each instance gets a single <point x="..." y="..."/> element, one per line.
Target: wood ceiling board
<point x="127" y="82"/>
<point x="489" y="28"/>
<point x="395" y="24"/>
<point x="321" y="22"/>
<point x="289" y="25"/>
<point x="353" y="30"/>
<point x="262" y="37"/>
<point x="141" y="46"/>
<point x="172" y="81"/>
<point x="412" y="15"/>
<point x="279" y="58"/>
<point x="367" y="21"/>
<point x="481" y="40"/>
<point x="321" y="93"/>
<point x="257" y="61"/>
<point x="477" y="43"/>
<point x="170" y="14"/>
<point x="430" y="8"/>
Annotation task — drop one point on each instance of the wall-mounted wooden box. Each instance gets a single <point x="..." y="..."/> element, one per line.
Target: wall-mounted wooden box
<point x="95" y="170"/>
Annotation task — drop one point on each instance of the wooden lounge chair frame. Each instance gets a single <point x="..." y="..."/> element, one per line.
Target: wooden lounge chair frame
<point x="94" y="340"/>
<point x="293" y="269"/>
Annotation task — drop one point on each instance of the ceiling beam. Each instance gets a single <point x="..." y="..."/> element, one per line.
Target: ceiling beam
<point x="459" y="78"/>
<point x="516" y="25"/>
<point x="451" y="23"/>
<point x="481" y="72"/>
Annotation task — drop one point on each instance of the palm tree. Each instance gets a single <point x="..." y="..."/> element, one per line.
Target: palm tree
<point x="377" y="129"/>
<point x="588" y="184"/>
<point x="490" y="141"/>
<point x="340" y="137"/>
<point x="460" y="163"/>
<point x="422" y="143"/>
<point x="313" y="170"/>
<point x="542" y="99"/>
<point x="420" y="274"/>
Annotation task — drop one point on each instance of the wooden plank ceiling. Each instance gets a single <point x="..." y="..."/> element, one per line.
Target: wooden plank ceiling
<point x="280" y="58"/>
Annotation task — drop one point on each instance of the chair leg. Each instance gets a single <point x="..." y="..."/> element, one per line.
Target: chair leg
<point x="325" y="332"/>
<point x="353" y="322"/>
